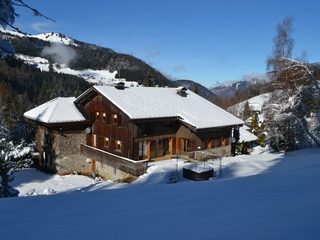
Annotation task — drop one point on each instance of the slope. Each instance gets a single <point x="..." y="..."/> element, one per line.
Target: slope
<point x="87" y="56"/>
<point x="280" y="203"/>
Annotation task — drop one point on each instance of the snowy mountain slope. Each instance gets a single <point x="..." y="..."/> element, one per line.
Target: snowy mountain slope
<point x="230" y="88"/>
<point x="280" y="202"/>
<point x="93" y="76"/>
<point x="85" y="56"/>
<point x="255" y="104"/>
<point x="52" y="37"/>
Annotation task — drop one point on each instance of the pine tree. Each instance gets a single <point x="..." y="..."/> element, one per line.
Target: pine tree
<point x="246" y="111"/>
<point x="196" y="90"/>
<point x="10" y="162"/>
<point x="149" y="80"/>
<point x="255" y="122"/>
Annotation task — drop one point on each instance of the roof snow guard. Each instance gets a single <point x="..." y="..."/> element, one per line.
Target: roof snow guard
<point x="58" y="110"/>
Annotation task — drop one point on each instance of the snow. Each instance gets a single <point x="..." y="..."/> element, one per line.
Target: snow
<point x="255" y="104"/>
<point x="246" y="134"/>
<point x="52" y="37"/>
<point x="104" y="77"/>
<point x="56" y="111"/>
<point x="38" y="62"/>
<point x="260" y="196"/>
<point x="157" y="102"/>
<point x="92" y="76"/>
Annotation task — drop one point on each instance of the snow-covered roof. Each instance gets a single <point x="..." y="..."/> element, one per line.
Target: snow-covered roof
<point x="246" y="135"/>
<point x="58" y="110"/>
<point x="158" y="102"/>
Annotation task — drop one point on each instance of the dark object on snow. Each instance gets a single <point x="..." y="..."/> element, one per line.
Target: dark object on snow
<point x="197" y="176"/>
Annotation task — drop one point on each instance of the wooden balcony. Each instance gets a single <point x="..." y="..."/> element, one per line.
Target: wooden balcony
<point x="135" y="168"/>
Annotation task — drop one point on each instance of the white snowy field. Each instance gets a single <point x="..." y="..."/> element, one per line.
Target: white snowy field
<point x="102" y="76"/>
<point x="260" y="196"/>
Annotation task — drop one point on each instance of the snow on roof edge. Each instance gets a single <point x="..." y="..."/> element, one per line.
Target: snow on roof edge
<point x="39" y="114"/>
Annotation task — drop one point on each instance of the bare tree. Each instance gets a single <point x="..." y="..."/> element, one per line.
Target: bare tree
<point x="8" y="15"/>
<point x="292" y="79"/>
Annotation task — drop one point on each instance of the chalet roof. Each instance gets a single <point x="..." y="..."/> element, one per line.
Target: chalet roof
<point x="58" y="110"/>
<point x="246" y="134"/>
<point x="158" y="102"/>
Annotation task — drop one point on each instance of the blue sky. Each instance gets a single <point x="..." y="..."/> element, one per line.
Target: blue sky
<point x="206" y="41"/>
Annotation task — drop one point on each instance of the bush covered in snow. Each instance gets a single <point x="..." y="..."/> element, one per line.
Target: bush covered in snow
<point x="12" y="158"/>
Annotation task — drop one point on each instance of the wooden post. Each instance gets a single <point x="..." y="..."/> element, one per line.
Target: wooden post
<point x="93" y="169"/>
<point x="170" y="146"/>
<point x="149" y="150"/>
<point x="178" y="145"/>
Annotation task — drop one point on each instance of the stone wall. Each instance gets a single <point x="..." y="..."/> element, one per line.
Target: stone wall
<point x="60" y="152"/>
<point x="109" y="172"/>
<point x="65" y="157"/>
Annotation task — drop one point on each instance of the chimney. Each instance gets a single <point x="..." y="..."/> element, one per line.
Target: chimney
<point x="119" y="85"/>
<point x="182" y="91"/>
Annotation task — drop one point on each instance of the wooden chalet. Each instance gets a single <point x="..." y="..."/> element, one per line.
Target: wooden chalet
<point x="115" y="131"/>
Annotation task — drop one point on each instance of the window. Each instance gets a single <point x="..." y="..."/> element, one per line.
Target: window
<point x="106" y="142"/>
<point x="225" y="141"/>
<point x="97" y="116"/>
<point x="210" y="144"/>
<point x="104" y="117"/>
<point x="118" y="146"/>
<point x="115" y="119"/>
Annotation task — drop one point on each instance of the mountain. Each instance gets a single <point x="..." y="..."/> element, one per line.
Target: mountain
<point x="198" y="88"/>
<point x="59" y="49"/>
<point x="230" y="88"/>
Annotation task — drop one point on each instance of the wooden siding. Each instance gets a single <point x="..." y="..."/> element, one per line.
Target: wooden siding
<point x="104" y="127"/>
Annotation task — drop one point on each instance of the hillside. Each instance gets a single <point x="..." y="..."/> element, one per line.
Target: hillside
<point x="255" y="104"/>
<point x="230" y="88"/>
<point x="261" y="196"/>
<point x="57" y="47"/>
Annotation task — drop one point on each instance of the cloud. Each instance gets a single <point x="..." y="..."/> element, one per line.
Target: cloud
<point x="61" y="54"/>
<point x="152" y="53"/>
<point x="41" y="27"/>
<point x="179" y="68"/>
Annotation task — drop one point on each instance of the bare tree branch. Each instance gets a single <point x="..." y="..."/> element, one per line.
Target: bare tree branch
<point x="35" y="11"/>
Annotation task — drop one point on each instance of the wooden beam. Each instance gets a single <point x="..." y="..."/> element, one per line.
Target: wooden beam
<point x="149" y="150"/>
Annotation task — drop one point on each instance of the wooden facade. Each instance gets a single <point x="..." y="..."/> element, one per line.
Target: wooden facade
<point x="114" y="132"/>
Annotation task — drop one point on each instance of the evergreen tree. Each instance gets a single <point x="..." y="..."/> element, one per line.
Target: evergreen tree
<point x="255" y="122"/>
<point x="196" y="90"/>
<point x="149" y="80"/>
<point x="246" y="111"/>
<point x="9" y="163"/>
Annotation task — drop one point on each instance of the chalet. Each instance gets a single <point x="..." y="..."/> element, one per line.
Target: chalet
<point x="115" y="131"/>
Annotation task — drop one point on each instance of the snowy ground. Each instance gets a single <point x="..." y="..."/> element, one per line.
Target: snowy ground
<point x="260" y="196"/>
<point x="255" y="104"/>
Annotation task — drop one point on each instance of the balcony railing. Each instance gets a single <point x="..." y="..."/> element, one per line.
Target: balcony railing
<point x="135" y="168"/>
